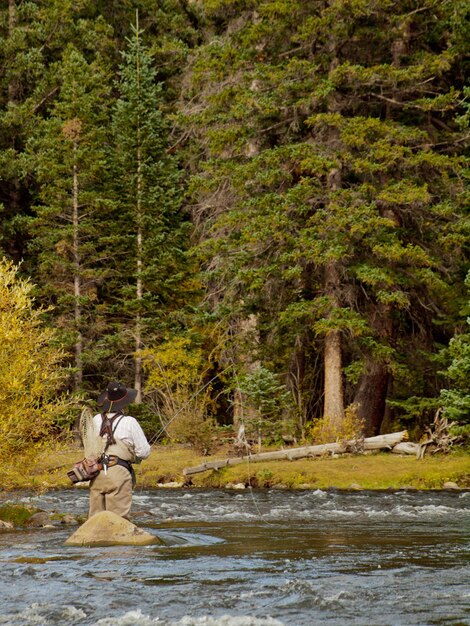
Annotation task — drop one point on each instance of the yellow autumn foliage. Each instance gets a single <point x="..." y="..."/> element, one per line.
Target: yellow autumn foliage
<point x="352" y="428"/>
<point x="175" y="372"/>
<point x="174" y="365"/>
<point x="30" y="376"/>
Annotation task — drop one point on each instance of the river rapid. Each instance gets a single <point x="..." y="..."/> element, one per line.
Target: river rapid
<point x="249" y="558"/>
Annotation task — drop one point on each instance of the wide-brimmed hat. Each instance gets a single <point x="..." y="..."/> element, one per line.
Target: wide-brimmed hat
<point x="116" y="397"/>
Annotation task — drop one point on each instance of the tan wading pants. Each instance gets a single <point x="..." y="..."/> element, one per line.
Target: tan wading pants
<point x="111" y="491"/>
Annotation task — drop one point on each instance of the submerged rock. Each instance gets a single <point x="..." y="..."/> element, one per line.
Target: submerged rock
<point x="39" y="520"/>
<point x="68" y="519"/>
<point x="108" y="529"/>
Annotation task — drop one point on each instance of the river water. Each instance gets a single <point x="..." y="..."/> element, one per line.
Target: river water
<point x="249" y="558"/>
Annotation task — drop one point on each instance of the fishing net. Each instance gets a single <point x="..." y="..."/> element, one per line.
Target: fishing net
<point x="92" y="442"/>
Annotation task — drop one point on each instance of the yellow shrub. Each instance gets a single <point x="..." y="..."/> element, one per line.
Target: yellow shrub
<point x="175" y="377"/>
<point x="29" y="368"/>
<point x="175" y="364"/>
<point x="351" y="428"/>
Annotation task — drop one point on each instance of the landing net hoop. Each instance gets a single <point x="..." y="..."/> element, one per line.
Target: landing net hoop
<point x="92" y="442"/>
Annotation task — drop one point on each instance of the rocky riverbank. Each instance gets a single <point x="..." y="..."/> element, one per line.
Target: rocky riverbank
<point x="13" y="515"/>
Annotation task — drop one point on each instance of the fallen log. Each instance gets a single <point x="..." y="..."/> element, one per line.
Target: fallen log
<point x="369" y="443"/>
<point x="408" y="447"/>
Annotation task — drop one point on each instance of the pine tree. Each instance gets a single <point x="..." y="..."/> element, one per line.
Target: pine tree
<point x="68" y="157"/>
<point x="33" y="36"/>
<point x="329" y="197"/>
<point x="22" y="69"/>
<point x="147" y="190"/>
<point x="456" y="397"/>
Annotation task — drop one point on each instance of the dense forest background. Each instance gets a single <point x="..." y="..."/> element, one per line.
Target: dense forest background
<point x="249" y="210"/>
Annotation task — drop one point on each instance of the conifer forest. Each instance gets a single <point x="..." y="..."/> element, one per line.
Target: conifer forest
<point x="244" y="209"/>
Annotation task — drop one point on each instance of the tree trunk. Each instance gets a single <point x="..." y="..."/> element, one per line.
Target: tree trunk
<point x="333" y="401"/>
<point x="333" y="408"/>
<point x="247" y="338"/>
<point x="295" y="381"/>
<point x="76" y="277"/>
<point x="371" y="395"/>
<point x="409" y="447"/>
<point x="139" y="260"/>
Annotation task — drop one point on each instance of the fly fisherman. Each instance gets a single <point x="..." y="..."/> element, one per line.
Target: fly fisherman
<point x="124" y="443"/>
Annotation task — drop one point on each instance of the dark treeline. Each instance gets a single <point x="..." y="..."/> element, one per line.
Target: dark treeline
<point x="264" y="199"/>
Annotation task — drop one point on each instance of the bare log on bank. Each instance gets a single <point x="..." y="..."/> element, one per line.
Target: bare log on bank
<point x="369" y="443"/>
<point x="408" y="447"/>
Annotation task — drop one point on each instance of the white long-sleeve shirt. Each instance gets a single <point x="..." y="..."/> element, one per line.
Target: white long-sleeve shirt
<point x="128" y="430"/>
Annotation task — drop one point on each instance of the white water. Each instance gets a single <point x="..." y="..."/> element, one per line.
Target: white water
<point x="261" y="558"/>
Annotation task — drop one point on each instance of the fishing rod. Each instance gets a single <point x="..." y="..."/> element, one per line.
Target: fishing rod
<point x="242" y="421"/>
<point x="179" y="411"/>
<point x="248" y="455"/>
<point x="162" y="430"/>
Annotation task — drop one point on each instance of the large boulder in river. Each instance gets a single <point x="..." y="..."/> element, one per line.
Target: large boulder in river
<point x="108" y="529"/>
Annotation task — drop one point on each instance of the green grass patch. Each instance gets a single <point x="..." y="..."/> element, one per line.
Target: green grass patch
<point x="166" y="463"/>
<point x="16" y="514"/>
<point x="378" y="471"/>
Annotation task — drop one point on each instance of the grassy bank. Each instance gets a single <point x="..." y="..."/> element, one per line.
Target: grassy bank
<point x="166" y="464"/>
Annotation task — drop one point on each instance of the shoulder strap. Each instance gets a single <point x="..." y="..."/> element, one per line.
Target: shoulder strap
<point x="108" y="426"/>
<point x="116" y="423"/>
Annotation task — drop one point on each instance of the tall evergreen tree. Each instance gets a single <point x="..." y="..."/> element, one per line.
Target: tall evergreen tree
<point x="329" y="197"/>
<point x="147" y="190"/>
<point x="33" y="36"/>
<point x="22" y="69"/>
<point x="455" y="398"/>
<point x="68" y="156"/>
